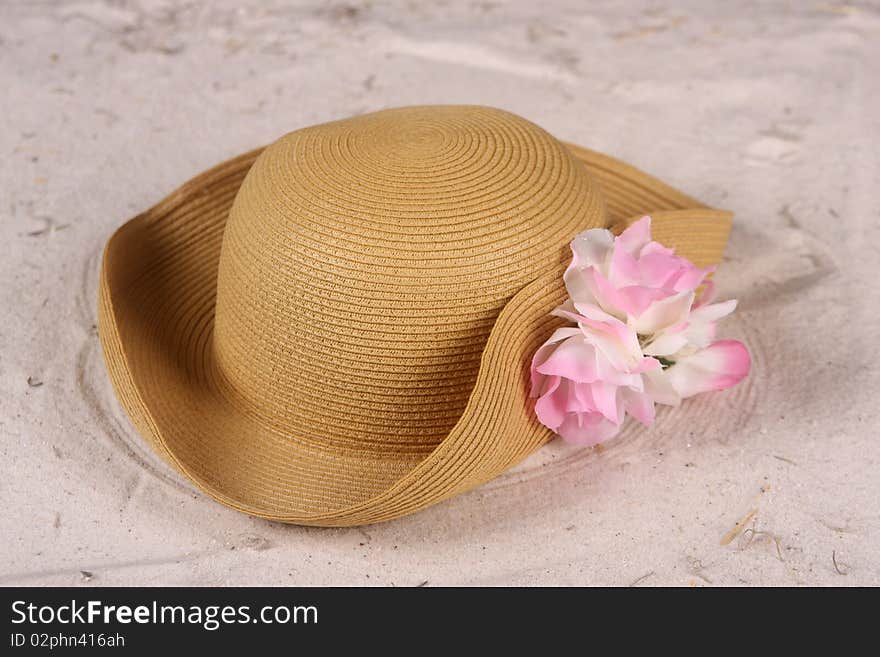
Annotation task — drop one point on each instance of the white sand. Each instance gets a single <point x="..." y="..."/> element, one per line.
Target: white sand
<point x="773" y="113"/>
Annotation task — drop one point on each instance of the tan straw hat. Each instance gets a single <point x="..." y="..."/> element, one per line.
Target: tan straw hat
<point x="337" y="329"/>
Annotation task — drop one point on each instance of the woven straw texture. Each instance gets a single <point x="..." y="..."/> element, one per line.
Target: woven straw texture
<point x="336" y="329"/>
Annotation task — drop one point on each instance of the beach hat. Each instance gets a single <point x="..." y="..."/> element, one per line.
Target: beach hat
<point x="337" y="329"/>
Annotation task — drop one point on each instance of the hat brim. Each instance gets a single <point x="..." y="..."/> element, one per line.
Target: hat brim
<point x="156" y="311"/>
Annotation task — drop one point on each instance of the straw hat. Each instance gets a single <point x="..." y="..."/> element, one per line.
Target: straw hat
<point x="337" y="329"/>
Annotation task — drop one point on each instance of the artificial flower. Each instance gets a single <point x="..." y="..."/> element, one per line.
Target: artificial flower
<point x="645" y="334"/>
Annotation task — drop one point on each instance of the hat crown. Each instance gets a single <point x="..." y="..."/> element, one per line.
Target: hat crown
<point x="364" y="263"/>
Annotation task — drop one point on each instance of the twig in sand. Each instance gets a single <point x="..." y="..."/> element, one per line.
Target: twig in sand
<point x="738" y="527"/>
<point x="753" y="533"/>
<point x="697" y="568"/>
<point x="638" y="580"/>
<point x="49" y="227"/>
<point x="836" y="566"/>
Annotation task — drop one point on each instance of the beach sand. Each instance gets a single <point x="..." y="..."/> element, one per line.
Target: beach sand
<point x="773" y="113"/>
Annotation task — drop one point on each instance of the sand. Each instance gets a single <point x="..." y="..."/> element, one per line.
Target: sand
<point x="772" y="112"/>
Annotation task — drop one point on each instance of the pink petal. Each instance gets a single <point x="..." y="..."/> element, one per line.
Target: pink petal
<point x="620" y="301"/>
<point x="544" y="353"/>
<point x="635" y="299"/>
<point x="720" y="365"/>
<point x="587" y="429"/>
<point x="614" y="339"/>
<point x="583" y="401"/>
<point x="708" y="294"/>
<point x="636" y="235"/>
<point x="657" y="269"/>
<point x="606" y="401"/>
<point x="572" y="313"/>
<point x="624" y="268"/>
<point x="604" y="292"/>
<point x="610" y="373"/>
<point x="576" y="401"/>
<point x="639" y="405"/>
<point x="550" y="407"/>
<point x="652" y="248"/>
<point x="690" y="277"/>
<point x="646" y="365"/>
<point x="616" y="345"/>
<point x="573" y="359"/>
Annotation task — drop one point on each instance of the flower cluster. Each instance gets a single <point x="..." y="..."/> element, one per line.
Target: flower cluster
<point x="644" y="336"/>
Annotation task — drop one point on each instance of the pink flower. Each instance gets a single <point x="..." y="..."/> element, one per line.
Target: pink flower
<point x="643" y="336"/>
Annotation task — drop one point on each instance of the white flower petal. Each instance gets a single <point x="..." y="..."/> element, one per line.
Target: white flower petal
<point x="578" y="283"/>
<point x="666" y="344"/>
<point x="664" y="313"/>
<point x="563" y="333"/>
<point x="592" y="248"/>
<point x="714" y="311"/>
<point x="660" y="389"/>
